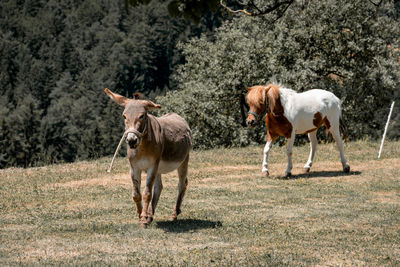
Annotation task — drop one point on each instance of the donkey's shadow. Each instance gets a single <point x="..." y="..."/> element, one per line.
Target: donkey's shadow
<point x="187" y="225"/>
<point x="319" y="174"/>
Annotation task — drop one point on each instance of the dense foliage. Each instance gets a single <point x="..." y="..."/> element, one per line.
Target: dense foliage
<point x="56" y="59"/>
<point x="351" y="49"/>
<point x="58" y="56"/>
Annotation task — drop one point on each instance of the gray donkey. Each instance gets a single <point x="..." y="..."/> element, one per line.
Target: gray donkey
<point x="156" y="146"/>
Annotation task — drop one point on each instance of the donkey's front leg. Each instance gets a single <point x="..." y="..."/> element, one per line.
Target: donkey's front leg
<point x="289" y="152"/>
<point x="136" y="196"/>
<point x="146" y="217"/>
<point x="267" y="147"/>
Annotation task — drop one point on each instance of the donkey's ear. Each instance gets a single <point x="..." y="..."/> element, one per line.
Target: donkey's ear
<point x="150" y="105"/>
<point x="119" y="99"/>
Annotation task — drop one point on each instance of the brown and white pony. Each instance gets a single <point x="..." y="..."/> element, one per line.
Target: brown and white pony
<point x="288" y="113"/>
<point x="156" y="146"/>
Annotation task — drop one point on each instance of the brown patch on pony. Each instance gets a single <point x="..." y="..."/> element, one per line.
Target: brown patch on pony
<point x="278" y="125"/>
<point x="318" y="121"/>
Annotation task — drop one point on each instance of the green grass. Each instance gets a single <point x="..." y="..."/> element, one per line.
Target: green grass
<point x="77" y="214"/>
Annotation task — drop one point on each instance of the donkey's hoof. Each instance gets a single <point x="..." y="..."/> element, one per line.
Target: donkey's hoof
<point x="346" y="169"/>
<point x="173" y="218"/>
<point x="149" y="220"/>
<point x="288" y="175"/>
<point x="145" y="219"/>
<point x="265" y="173"/>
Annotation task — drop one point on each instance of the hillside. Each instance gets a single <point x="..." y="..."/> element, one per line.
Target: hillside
<point x="79" y="214"/>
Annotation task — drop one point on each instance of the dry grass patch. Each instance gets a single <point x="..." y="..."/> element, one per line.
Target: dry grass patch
<point x="77" y="214"/>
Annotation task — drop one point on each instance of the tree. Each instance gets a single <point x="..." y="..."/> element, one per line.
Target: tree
<point x="63" y="54"/>
<point x="350" y="49"/>
<point x="195" y="10"/>
<point x="21" y="131"/>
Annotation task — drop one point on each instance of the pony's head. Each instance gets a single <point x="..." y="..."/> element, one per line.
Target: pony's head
<point x="261" y="100"/>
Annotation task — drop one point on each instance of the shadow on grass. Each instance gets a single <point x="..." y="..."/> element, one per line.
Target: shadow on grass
<point x="186" y="225"/>
<point x="320" y="174"/>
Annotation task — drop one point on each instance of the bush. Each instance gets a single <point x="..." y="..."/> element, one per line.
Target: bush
<point x="351" y="49"/>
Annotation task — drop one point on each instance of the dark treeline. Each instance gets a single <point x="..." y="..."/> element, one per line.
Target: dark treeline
<point x="58" y="56"/>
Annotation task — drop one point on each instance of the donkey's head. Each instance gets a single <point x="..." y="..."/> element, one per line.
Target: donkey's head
<point x="135" y="114"/>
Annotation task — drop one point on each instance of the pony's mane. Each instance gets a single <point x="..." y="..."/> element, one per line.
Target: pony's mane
<point x="273" y="97"/>
<point x="257" y="96"/>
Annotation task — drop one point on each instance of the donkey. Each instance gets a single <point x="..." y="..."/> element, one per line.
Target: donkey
<point x="288" y="113"/>
<point x="156" y="146"/>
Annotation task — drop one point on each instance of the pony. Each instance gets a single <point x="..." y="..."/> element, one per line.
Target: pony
<point x="287" y="113"/>
<point x="156" y="146"/>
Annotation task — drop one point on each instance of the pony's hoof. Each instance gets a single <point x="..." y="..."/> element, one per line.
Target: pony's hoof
<point x="346" y="169"/>
<point x="265" y="173"/>
<point x="307" y="169"/>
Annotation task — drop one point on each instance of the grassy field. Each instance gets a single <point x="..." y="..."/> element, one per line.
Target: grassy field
<point x="77" y="214"/>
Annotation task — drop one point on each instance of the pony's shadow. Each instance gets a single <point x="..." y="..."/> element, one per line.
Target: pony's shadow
<point x="186" y="225"/>
<point x="319" y="174"/>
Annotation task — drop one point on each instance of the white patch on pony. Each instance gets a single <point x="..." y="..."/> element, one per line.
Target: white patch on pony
<point x="300" y="108"/>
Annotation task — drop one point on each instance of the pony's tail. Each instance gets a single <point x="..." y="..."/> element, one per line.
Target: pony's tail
<point x="343" y="129"/>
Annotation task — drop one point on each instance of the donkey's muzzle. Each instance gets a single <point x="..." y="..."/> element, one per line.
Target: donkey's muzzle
<point x="132" y="140"/>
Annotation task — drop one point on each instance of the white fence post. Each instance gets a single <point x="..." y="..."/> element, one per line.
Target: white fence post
<point x="384" y="133"/>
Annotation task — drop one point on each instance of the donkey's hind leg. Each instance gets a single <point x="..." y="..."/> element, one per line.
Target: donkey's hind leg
<point x="313" y="148"/>
<point x="336" y="135"/>
<point x="182" y="173"/>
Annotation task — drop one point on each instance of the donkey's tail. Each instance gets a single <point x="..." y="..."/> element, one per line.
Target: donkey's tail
<point x="343" y="129"/>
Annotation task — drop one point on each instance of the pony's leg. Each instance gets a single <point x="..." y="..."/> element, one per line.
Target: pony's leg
<point x="313" y="148"/>
<point x="145" y="217"/>
<point x="158" y="186"/>
<point x="267" y="147"/>
<point x="336" y="135"/>
<point x="182" y="173"/>
<point x="136" y="196"/>
<point x="289" y="153"/>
